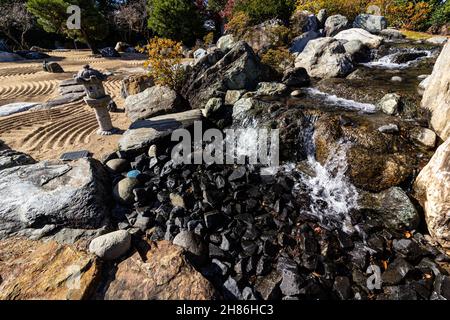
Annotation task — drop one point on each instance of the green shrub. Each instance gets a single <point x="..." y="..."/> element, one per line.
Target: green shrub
<point x="261" y="10"/>
<point x="279" y="59"/>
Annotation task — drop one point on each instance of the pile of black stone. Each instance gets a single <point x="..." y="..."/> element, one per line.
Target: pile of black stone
<point x="245" y="233"/>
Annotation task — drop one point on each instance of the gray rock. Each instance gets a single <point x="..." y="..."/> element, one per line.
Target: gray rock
<point x="392" y="208"/>
<point x="10" y="158"/>
<point x="244" y="105"/>
<point x="226" y="42"/>
<point x="73" y="195"/>
<point x="9" y="57"/>
<point x="52" y="67"/>
<point x="335" y="24"/>
<point x="109" y="52"/>
<point x="325" y="58"/>
<point x="12" y="108"/>
<point x="369" y="22"/>
<point x="299" y="43"/>
<point x="368" y="39"/>
<point x="231" y="289"/>
<point x="271" y="89"/>
<point x="396" y="271"/>
<point x="191" y="243"/>
<point x="391" y="34"/>
<point x="439" y="40"/>
<point x="153" y="101"/>
<point x="296" y="93"/>
<point x="123" y="191"/>
<point x="296" y="77"/>
<point x="424" y="137"/>
<point x="213" y="106"/>
<point x="199" y="53"/>
<point x="390" y="103"/>
<point x="232" y="96"/>
<point x="111" y="246"/>
<point x="216" y="73"/>
<point x="358" y="51"/>
<point x="388" y="128"/>
<point x="117" y="165"/>
<point x="144" y="133"/>
<point x="396" y="79"/>
<point x="322" y="17"/>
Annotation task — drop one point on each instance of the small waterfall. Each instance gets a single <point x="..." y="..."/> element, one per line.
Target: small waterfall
<point x="333" y="100"/>
<point x="332" y="195"/>
<point x="393" y="59"/>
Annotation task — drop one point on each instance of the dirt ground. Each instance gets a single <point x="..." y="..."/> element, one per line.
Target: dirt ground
<point x="46" y="134"/>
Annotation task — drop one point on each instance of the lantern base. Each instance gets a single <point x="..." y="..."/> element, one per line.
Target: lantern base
<point x="107" y="132"/>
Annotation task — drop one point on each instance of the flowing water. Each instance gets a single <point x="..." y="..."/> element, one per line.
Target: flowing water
<point x="393" y="60"/>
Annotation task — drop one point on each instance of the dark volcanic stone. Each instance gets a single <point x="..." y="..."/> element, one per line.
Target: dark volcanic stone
<point x="268" y="287"/>
<point x="342" y="288"/>
<point x="408" y="248"/>
<point x="237" y="174"/>
<point x="213" y="220"/>
<point x="396" y="271"/>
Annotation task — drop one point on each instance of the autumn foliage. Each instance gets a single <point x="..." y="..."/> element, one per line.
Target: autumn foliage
<point x="164" y="59"/>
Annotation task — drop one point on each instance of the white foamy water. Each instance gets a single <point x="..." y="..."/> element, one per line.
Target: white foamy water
<point x="336" y="101"/>
<point x="386" y="62"/>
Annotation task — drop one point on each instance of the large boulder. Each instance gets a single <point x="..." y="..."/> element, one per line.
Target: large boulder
<point x="264" y="35"/>
<point x="303" y="21"/>
<point x="376" y="160"/>
<point x="226" y="42"/>
<point x="368" y="39"/>
<point x="153" y="101"/>
<point x="325" y="58"/>
<point x="436" y="96"/>
<point x="73" y="195"/>
<point x="432" y="189"/>
<point x="10" y="158"/>
<point x="31" y="270"/>
<point x="299" y="43"/>
<point x="217" y="73"/>
<point x="143" y="133"/>
<point x="369" y="22"/>
<point x="134" y="84"/>
<point x="161" y="272"/>
<point x="335" y="24"/>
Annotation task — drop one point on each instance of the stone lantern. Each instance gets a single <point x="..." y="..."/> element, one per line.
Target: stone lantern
<point x="96" y="98"/>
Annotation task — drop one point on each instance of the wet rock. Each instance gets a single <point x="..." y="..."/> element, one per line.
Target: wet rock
<point x="153" y="101"/>
<point x="335" y="24"/>
<point x="404" y="57"/>
<point x="226" y="42"/>
<point x="372" y="23"/>
<point x="216" y="73"/>
<point x="134" y="84"/>
<point x="390" y="103"/>
<point x="424" y="137"/>
<point x="388" y="128"/>
<point x="32" y="270"/>
<point x="123" y="191"/>
<point x="161" y="272"/>
<point x="143" y="133"/>
<point x="436" y="95"/>
<point x="11" y="158"/>
<point x="74" y="195"/>
<point x="111" y="246"/>
<point x="199" y="53"/>
<point x="392" y="208"/>
<point x="396" y="272"/>
<point x="299" y="43"/>
<point x="432" y="189"/>
<point x="362" y="35"/>
<point x="325" y="58"/>
<point x="396" y="79"/>
<point x="342" y="288"/>
<point x="296" y="77"/>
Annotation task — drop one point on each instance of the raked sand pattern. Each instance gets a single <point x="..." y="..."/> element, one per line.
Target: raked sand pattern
<point x="46" y="134"/>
